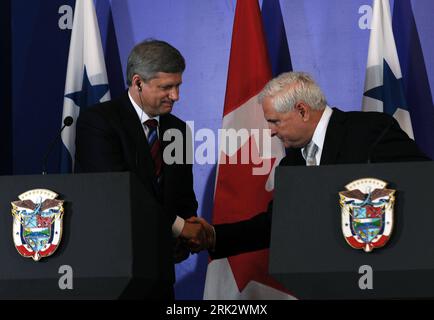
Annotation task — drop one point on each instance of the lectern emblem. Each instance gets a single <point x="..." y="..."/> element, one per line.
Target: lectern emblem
<point x="37" y="223"/>
<point x="367" y="213"/>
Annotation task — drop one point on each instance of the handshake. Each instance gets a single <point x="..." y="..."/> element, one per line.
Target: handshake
<point x="197" y="234"/>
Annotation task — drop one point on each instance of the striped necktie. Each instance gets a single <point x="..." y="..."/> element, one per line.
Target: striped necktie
<point x="154" y="145"/>
<point x="309" y="153"/>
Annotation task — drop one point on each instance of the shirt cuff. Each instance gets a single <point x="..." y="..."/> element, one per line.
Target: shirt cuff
<point x="177" y="226"/>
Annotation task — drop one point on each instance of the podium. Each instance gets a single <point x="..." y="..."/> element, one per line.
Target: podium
<point x="310" y="256"/>
<point x="116" y="242"/>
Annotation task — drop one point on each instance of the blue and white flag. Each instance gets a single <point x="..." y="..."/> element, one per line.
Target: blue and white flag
<point x="416" y="83"/>
<point x="86" y="76"/>
<point x="383" y="82"/>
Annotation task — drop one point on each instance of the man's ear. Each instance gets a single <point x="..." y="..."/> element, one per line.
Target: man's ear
<point x="303" y="109"/>
<point x="136" y="81"/>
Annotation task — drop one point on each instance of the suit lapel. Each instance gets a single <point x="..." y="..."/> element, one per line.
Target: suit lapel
<point x="334" y="137"/>
<point x="140" y="153"/>
<point x="164" y="126"/>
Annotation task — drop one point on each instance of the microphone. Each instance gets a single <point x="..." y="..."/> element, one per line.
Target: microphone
<point x="382" y="134"/>
<point x="66" y="123"/>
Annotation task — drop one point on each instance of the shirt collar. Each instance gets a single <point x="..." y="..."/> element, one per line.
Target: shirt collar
<point x="320" y="132"/>
<point x="142" y="115"/>
<point x="321" y="128"/>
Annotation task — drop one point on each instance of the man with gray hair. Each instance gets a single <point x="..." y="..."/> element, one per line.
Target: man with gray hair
<point x="126" y="134"/>
<point x="314" y="134"/>
<point x="293" y="106"/>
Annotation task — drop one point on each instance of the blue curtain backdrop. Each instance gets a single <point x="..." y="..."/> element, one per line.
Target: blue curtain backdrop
<point x="5" y="89"/>
<point x="328" y="39"/>
<point x="40" y="54"/>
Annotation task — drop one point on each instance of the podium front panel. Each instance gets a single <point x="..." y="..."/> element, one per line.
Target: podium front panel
<point x="310" y="256"/>
<point x="100" y="226"/>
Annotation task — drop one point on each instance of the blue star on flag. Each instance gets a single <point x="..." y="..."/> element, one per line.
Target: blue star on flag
<point x="89" y="94"/>
<point x="391" y="92"/>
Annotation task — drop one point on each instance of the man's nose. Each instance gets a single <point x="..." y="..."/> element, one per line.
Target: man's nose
<point x="174" y="94"/>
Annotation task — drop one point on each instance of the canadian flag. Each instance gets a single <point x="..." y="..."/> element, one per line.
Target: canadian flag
<point x="242" y="190"/>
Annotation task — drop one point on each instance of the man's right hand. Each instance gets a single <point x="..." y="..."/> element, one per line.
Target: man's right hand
<point x="207" y="240"/>
<point x="193" y="234"/>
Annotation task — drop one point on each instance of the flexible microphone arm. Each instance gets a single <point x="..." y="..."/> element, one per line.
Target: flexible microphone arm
<point x="66" y="123"/>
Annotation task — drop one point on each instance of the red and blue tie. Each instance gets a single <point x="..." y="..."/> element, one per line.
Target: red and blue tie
<point x="154" y="145"/>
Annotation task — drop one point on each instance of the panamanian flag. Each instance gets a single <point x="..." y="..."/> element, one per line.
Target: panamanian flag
<point x="416" y="83"/>
<point x="384" y="91"/>
<point x="86" y="76"/>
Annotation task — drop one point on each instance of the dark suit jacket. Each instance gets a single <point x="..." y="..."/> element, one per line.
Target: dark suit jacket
<point x="351" y="137"/>
<point x="110" y="137"/>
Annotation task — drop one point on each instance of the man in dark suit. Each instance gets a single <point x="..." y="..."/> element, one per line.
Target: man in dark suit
<point x="131" y="133"/>
<point x="314" y="134"/>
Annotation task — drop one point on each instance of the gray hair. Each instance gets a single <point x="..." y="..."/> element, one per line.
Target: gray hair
<point x="291" y="87"/>
<point x="152" y="56"/>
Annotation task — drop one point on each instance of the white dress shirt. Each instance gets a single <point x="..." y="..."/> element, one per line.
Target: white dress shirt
<point x="320" y="132"/>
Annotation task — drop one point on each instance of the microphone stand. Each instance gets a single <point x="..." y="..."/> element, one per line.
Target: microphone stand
<point x="66" y="123"/>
